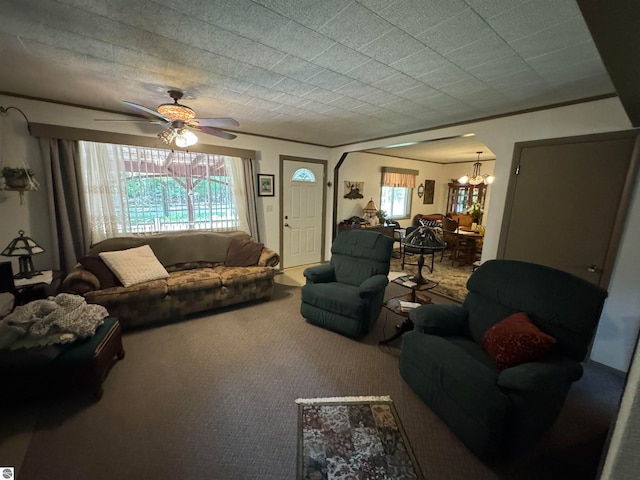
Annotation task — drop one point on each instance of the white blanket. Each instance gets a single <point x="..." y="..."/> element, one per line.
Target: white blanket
<point x="60" y="319"/>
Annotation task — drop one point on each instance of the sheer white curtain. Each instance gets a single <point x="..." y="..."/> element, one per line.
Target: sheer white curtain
<point x="103" y="176"/>
<point x="236" y="180"/>
<point x="132" y="190"/>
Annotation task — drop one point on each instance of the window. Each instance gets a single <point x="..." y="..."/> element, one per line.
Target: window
<point x="397" y="187"/>
<point x="303" y="175"/>
<point x="131" y="189"/>
<point x="396" y="201"/>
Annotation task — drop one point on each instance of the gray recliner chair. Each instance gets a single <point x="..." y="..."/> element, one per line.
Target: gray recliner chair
<point x="346" y="295"/>
<point x="499" y="412"/>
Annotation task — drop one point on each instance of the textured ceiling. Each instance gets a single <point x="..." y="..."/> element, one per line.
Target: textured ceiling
<point x="329" y="72"/>
<point x="460" y="149"/>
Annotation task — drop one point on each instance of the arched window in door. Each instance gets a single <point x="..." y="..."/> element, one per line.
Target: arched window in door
<point x="303" y="175"/>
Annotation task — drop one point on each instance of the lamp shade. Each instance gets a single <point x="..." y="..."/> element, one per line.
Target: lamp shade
<point x="424" y="237"/>
<point x="370" y="207"/>
<point x="23" y="247"/>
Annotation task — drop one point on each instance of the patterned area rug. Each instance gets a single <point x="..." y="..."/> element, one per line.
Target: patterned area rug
<point x="452" y="281"/>
<point x="353" y="438"/>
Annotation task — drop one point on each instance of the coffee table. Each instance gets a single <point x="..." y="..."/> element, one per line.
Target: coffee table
<point x="393" y="305"/>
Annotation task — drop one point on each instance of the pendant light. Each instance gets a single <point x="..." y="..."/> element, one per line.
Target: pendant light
<point x="476" y="178"/>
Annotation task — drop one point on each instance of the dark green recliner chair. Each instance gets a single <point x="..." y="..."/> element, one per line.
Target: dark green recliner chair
<point x="346" y="294"/>
<point x="497" y="412"/>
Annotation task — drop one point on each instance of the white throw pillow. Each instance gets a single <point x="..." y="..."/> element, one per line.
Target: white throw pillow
<point x="134" y="265"/>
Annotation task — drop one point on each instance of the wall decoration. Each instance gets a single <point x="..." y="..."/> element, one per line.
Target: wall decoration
<point x="353" y="190"/>
<point x="265" y="185"/>
<point x="429" y="189"/>
<point x="420" y="190"/>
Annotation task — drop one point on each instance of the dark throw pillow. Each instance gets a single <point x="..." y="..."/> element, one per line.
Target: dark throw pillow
<point x="243" y="253"/>
<point x="516" y="340"/>
<point x="104" y="274"/>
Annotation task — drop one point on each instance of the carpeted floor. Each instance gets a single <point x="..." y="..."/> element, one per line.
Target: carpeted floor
<point x="213" y="397"/>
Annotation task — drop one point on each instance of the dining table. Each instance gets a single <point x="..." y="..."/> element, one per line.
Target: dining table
<point x="473" y="237"/>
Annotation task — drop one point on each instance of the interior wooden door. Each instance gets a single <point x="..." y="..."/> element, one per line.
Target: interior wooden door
<point x="566" y="201"/>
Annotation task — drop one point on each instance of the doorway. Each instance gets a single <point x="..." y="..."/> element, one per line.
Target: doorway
<point x="303" y="210"/>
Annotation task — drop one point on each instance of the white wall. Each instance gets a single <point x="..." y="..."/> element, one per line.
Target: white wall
<point x="620" y="320"/>
<point x="17" y="149"/>
<point x="621" y="317"/>
<point x="33" y="216"/>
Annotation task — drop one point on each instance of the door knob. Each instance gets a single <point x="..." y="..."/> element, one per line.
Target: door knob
<point x="592" y="268"/>
<point x="286" y="225"/>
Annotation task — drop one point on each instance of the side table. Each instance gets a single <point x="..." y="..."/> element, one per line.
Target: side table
<point x="393" y="305"/>
<point x="37" y="287"/>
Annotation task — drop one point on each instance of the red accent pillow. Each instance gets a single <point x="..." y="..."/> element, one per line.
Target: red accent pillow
<point x="516" y="340"/>
<point x="104" y="274"/>
<point x="243" y="253"/>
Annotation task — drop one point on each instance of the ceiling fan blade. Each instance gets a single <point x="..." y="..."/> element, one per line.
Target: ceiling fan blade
<point x="156" y="122"/>
<point x="216" y="132"/>
<point x="215" y="122"/>
<point x="144" y="109"/>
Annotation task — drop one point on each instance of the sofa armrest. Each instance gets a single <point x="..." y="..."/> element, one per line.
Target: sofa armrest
<point x="441" y="320"/>
<point x="372" y="285"/>
<point x="80" y="281"/>
<point x="268" y="258"/>
<point x="550" y="375"/>
<point x="320" y="274"/>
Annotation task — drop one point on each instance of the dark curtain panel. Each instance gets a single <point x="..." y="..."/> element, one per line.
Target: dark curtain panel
<point x="250" y="189"/>
<point x="67" y="210"/>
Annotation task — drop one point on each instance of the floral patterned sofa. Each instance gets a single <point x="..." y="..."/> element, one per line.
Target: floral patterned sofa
<point x="202" y="276"/>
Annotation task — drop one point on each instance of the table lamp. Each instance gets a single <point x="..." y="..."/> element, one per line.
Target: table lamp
<point x="370" y="210"/>
<point x="23" y="247"/>
<point x="425" y="240"/>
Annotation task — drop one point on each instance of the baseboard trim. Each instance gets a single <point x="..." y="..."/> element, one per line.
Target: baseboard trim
<point x="615" y="371"/>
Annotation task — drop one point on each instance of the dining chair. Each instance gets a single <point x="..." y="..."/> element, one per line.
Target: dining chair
<point x="456" y="246"/>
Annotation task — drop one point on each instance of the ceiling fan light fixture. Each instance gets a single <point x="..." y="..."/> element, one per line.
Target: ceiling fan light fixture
<point x="184" y="138"/>
<point x="166" y="136"/>
<point x="175" y="111"/>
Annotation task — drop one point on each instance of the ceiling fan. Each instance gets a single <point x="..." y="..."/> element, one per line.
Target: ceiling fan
<point x="180" y="120"/>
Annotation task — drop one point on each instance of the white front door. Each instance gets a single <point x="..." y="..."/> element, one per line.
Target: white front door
<point x="302" y="201"/>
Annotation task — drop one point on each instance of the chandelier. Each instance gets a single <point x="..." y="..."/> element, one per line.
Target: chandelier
<point x="476" y="178"/>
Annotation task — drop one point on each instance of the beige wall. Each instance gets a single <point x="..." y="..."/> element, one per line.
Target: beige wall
<point x="367" y="167"/>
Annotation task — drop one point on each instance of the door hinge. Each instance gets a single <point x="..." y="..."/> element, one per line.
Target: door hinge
<point x="518" y="169"/>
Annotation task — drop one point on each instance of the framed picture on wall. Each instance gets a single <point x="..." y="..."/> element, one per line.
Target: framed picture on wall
<point x="265" y="185"/>
<point x="429" y="189"/>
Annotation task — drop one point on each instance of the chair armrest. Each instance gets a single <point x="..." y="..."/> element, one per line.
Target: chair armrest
<point x="268" y="258"/>
<point x="80" y="281"/>
<point x="442" y="320"/>
<point x="550" y="375"/>
<point x="320" y="274"/>
<point x="373" y="285"/>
